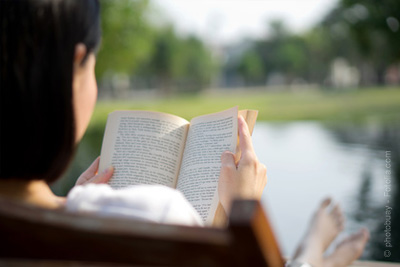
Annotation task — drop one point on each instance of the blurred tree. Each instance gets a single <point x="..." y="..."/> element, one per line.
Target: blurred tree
<point x="279" y="30"/>
<point x="366" y="33"/>
<point x="251" y="68"/>
<point x="163" y="60"/>
<point x="134" y="46"/>
<point x="373" y="22"/>
<point x="127" y="38"/>
<point x="178" y="63"/>
<point x="319" y="52"/>
<point x="196" y="65"/>
<point x="375" y="27"/>
<point x="292" y="54"/>
<point x="281" y="53"/>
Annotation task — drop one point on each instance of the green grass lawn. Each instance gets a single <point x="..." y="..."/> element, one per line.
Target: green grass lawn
<point x="272" y="106"/>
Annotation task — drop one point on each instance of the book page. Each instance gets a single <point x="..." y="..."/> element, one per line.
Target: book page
<point x="144" y="147"/>
<point x="208" y="137"/>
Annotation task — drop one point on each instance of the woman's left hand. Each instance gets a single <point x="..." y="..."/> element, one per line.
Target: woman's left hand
<point x="90" y="176"/>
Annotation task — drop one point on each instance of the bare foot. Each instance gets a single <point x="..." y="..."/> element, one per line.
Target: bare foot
<point x="348" y="250"/>
<point x="325" y="225"/>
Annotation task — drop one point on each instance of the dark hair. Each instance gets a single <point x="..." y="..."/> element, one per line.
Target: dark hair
<point x="38" y="39"/>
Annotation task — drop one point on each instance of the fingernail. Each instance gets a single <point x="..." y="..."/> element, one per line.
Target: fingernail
<point x="108" y="170"/>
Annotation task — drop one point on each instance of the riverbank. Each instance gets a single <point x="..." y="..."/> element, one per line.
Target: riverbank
<point x="272" y="106"/>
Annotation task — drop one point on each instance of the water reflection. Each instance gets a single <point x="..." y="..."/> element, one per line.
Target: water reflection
<point x="385" y="237"/>
<point x="307" y="161"/>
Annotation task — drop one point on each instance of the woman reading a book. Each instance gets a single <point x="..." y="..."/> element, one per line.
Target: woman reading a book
<point x="48" y="93"/>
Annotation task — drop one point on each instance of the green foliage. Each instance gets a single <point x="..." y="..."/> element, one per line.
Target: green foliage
<point x="127" y="39"/>
<point x="365" y="33"/>
<point x="373" y="25"/>
<point x="282" y="52"/>
<point x="319" y="52"/>
<point x="196" y="64"/>
<point x="368" y="33"/>
<point x="180" y="62"/>
<point x="132" y="45"/>
<point x="251" y="67"/>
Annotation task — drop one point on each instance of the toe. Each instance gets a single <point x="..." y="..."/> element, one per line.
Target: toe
<point x="348" y="250"/>
<point x="337" y="215"/>
<point x="336" y="211"/>
<point x="342" y="221"/>
<point x="326" y="202"/>
<point x="364" y="233"/>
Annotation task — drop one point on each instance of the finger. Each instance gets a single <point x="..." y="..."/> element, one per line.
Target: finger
<point x="93" y="168"/>
<point x="228" y="159"/>
<point x="245" y="143"/>
<point x="89" y="173"/>
<point x="102" y="177"/>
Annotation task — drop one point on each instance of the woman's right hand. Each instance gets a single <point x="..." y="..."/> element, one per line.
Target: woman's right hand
<point x="247" y="178"/>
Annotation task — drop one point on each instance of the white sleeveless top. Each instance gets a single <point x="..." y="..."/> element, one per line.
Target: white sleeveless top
<point x="154" y="203"/>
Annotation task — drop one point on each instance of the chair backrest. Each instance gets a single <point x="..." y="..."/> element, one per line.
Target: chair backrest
<point x="33" y="234"/>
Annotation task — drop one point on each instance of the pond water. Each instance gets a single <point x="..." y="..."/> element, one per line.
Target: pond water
<point x="308" y="161"/>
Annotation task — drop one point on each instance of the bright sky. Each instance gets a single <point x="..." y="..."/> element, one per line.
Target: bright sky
<point x="223" y="21"/>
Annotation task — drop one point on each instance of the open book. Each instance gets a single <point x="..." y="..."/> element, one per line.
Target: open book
<point x="147" y="147"/>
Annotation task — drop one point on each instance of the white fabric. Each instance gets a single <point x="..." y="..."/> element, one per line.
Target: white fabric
<point x="153" y="203"/>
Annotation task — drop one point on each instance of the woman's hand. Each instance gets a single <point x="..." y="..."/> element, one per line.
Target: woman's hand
<point x="90" y="176"/>
<point x="247" y="178"/>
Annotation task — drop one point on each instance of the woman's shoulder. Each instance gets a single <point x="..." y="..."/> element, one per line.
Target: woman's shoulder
<point x="154" y="203"/>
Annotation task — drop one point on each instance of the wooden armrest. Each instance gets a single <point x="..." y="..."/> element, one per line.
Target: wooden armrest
<point x="33" y="234"/>
<point x="253" y="239"/>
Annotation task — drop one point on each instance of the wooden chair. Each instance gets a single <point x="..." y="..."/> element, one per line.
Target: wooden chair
<point x="31" y="236"/>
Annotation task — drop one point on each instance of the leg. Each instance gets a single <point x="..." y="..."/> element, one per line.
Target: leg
<point x="348" y="250"/>
<point x="325" y="225"/>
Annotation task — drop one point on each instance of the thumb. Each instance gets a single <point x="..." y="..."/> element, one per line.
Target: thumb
<point x="228" y="159"/>
<point x="103" y="177"/>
